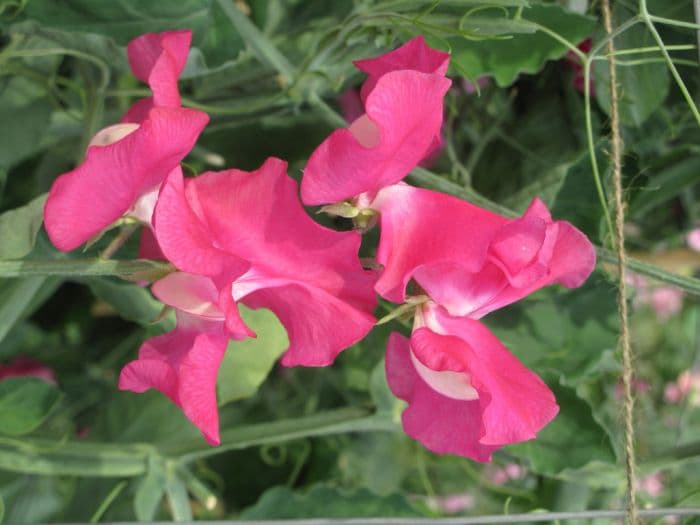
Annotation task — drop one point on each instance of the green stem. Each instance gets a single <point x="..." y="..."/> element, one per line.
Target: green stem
<point x="321" y="424"/>
<point x="648" y="19"/>
<point x="82" y="267"/>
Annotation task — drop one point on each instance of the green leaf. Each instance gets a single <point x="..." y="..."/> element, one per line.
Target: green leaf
<point x="25" y="402"/>
<point x="22" y="139"/>
<point x="2" y="509"/>
<point x="505" y="59"/>
<point x="131" y="301"/>
<point x="572" y="440"/>
<point x="119" y="19"/>
<point x="178" y="499"/>
<point x="327" y="502"/>
<point x="247" y="363"/>
<point x="665" y="184"/>
<point x="19" y="228"/>
<point x="19" y="297"/>
<point x="150" y="489"/>
<point x="641" y="87"/>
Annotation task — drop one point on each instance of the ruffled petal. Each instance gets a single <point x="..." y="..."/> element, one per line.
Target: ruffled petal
<point x="183" y="365"/>
<point x="183" y="235"/>
<point x="319" y="324"/>
<point x="217" y="221"/>
<point x="422" y="227"/>
<point x="469" y="260"/>
<point x="403" y="117"/>
<point x="515" y="403"/>
<point x="443" y="424"/>
<point x="413" y="55"/>
<point x="158" y="59"/>
<point x="89" y="198"/>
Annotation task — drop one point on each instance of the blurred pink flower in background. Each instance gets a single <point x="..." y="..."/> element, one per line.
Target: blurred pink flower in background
<point x="452" y="503"/>
<point x="693" y="239"/>
<point x="639" y="386"/>
<point x="666" y="301"/>
<point x="506" y="473"/>
<point x="470" y="87"/>
<point x="653" y="484"/>
<point x="687" y="385"/>
<point x="577" y="67"/>
<point x="23" y="366"/>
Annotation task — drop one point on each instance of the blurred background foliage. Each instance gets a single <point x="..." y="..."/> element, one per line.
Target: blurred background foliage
<point x="302" y="442"/>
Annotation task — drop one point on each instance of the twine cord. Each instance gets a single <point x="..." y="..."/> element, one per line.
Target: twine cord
<point x="627" y="370"/>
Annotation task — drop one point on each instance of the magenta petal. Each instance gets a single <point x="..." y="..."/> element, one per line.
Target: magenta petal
<point x="319" y="324"/>
<point x="158" y="59"/>
<point x="183" y="365"/>
<point x="442" y="424"/>
<point x="515" y="403"/>
<point x="405" y="108"/>
<point x="194" y="294"/>
<point x="148" y="245"/>
<point x="422" y="227"/>
<point x="86" y="200"/>
<point x="413" y="55"/>
<point x="182" y="234"/>
<point x="232" y="222"/>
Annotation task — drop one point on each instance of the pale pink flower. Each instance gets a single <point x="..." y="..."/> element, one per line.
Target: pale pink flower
<point x="693" y="239"/>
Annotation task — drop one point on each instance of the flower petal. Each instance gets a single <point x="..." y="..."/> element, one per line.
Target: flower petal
<point x="443" y="424"/>
<point x="158" y="59"/>
<point x="422" y="227"/>
<point x="255" y="219"/>
<point x="413" y="55"/>
<point x="89" y="198"/>
<point x="515" y="403"/>
<point x="405" y="109"/>
<point x="183" y="365"/>
<point x="319" y="324"/>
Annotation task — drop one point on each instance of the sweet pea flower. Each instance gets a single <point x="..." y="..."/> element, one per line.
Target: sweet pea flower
<point x="403" y="112"/>
<point x="248" y="232"/>
<point x="183" y="364"/>
<point x="466" y="393"/>
<point x="126" y="163"/>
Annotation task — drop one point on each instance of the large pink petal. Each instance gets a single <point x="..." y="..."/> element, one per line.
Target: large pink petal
<point x="442" y="424"/>
<point x="183" y="365"/>
<point x="422" y="227"/>
<point x="413" y="55"/>
<point x="183" y="234"/>
<point x="256" y="217"/>
<point x="515" y="403"/>
<point x="86" y="200"/>
<point x="403" y="117"/>
<point x="158" y="59"/>
<point x="319" y="324"/>
<point x="470" y="260"/>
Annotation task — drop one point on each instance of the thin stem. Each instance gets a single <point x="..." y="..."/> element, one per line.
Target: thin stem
<point x="674" y="72"/>
<point x="81" y="267"/>
<point x="591" y="146"/>
<point x="118" y="241"/>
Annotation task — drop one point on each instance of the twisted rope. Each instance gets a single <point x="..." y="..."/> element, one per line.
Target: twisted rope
<point x="627" y="369"/>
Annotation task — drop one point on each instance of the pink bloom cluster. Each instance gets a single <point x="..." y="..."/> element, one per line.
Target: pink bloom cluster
<point x="244" y="237"/>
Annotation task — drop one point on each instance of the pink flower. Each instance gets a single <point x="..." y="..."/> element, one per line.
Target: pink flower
<point x="248" y="232"/>
<point x="501" y="475"/>
<point x="403" y="99"/>
<point x="183" y="364"/>
<point x="126" y="163"/>
<point x="452" y="503"/>
<point x="693" y="239"/>
<point x="466" y="393"/>
<point x="653" y="484"/>
<point x="666" y="301"/>
<point x="687" y="384"/>
<point x="479" y="261"/>
<point x="23" y="366"/>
